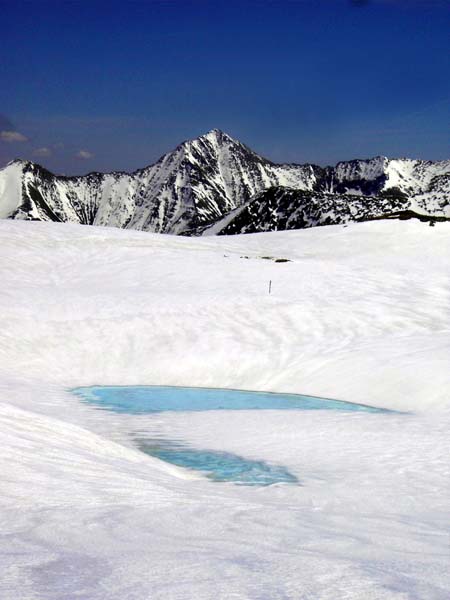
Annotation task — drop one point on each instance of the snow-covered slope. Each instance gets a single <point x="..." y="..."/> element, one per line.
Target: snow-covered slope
<point x="10" y="189"/>
<point x="359" y="313"/>
<point x="201" y="182"/>
<point x="147" y="308"/>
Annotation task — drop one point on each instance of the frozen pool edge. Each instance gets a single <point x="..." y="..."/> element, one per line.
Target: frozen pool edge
<point x="148" y="399"/>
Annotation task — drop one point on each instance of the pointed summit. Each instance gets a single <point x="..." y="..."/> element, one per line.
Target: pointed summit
<point x="215" y="138"/>
<point x="215" y="132"/>
<point x="217" y="135"/>
<point x="18" y="161"/>
<point x="212" y="144"/>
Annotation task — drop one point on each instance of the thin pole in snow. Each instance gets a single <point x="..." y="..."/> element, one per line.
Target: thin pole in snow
<point x="270" y="285"/>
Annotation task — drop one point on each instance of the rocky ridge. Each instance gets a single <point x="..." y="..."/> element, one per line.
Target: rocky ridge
<point x="215" y="184"/>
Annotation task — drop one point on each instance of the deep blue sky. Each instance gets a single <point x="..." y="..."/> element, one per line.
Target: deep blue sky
<point x="298" y="81"/>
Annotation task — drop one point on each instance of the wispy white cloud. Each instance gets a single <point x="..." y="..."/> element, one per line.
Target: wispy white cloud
<point x="84" y="154"/>
<point x="44" y="151"/>
<point x="12" y="136"/>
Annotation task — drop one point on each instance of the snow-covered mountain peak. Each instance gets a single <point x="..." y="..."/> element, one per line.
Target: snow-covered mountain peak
<point x="214" y="136"/>
<point x="204" y="179"/>
<point x="217" y="135"/>
<point x="215" y="142"/>
<point x="18" y="161"/>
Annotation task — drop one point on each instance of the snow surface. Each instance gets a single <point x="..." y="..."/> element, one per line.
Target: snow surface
<point x="361" y="313"/>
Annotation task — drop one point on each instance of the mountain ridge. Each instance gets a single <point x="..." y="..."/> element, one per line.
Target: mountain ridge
<point x="201" y="181"/>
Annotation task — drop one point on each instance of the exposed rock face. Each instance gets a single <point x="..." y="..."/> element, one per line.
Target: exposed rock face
<point x="202" y="182"/>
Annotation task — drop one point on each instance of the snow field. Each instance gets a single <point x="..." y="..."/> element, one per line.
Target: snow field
<point x="360" y="313"/>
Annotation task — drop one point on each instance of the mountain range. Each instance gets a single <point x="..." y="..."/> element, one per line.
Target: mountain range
<point x="217" y="185"/>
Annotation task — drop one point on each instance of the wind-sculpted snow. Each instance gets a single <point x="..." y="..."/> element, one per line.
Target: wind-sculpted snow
<point x="358" y="313"/>
<point x="204" y="180"/>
